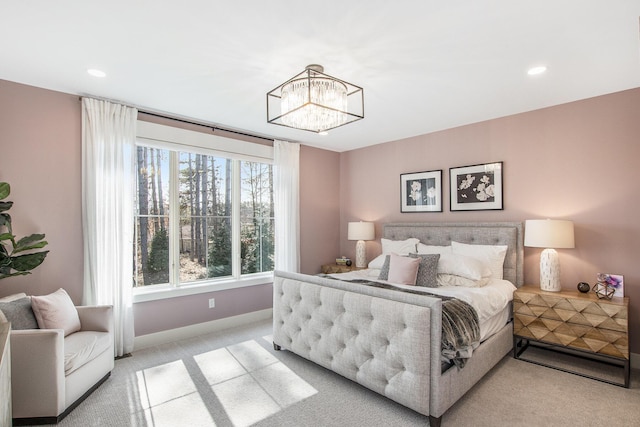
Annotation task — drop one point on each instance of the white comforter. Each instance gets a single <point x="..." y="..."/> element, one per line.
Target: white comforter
<point x="490" y="301"/>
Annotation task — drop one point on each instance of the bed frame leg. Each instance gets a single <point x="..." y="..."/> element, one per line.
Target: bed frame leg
<point x="435" y="422"/>
<point x="276" y="347"/>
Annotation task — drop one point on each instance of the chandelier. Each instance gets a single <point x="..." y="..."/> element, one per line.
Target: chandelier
<point x="315" y="101"/>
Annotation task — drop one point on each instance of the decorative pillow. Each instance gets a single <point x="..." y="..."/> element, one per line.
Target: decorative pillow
<point x="400" y="247"/>
<point x="491" y="255"/>
<point x="429" y="249"/>
<point x="464" y="266"/>
<point x="428" y="269"/>
<point x="19" y="313"/>
<point x="453" y="280"/>
<point x="403" y="270"/>
<point x="384" y="270"/>
<point x="56" y="311"/>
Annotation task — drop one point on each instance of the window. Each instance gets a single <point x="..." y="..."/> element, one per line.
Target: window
<point x="202" y="215"/>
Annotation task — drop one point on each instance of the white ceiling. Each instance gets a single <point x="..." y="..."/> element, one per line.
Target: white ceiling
<point x="425" y="65"/>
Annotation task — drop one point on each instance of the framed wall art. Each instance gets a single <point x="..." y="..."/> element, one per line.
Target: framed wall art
<point x="421" y="191"/>
<point x="476" y="187"/>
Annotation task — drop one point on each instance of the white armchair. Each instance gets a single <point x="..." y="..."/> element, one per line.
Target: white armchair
<point x="51" y="374"/>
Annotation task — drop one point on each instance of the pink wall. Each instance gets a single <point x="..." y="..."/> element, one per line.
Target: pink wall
<point x="40" y="157"/>
<point x="575" y="161"/>
<point x="319" y="208"/>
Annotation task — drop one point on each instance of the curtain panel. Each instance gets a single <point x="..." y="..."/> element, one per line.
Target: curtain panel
<point x="286" y="171"/>
<point x="108" y="142"/>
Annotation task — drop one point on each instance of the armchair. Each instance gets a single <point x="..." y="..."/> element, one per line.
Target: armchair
<point x="51" y="374"/>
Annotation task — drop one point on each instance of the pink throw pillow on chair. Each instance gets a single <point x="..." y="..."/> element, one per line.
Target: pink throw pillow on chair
<point x="56" y="311"/>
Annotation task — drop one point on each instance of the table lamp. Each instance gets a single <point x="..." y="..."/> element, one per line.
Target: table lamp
<point x="361" y="231"/>
<point x="550" y="234"/>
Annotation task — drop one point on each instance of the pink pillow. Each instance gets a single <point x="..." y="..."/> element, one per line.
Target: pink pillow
<point x="403" y="270"/>
<point x="56" y="311"/>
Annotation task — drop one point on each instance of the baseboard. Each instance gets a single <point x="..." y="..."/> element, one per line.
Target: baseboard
<point x="163" y="337"/>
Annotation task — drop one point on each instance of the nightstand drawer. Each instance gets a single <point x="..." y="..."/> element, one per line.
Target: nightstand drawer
<point x="587" y="338"/>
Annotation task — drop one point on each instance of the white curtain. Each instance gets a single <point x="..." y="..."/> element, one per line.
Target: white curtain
<point x="286" y="171"/>
<point x="108" y="141"/>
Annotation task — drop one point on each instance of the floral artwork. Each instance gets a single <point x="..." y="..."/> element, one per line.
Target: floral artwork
<point x="615" y="281"/>
<point x="477" y="187"/>
<point x="421" y="192"/>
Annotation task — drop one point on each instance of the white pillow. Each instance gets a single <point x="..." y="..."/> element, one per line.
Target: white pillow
<point x="429" y="249"/>
<point x="378" y="261"/>
<point x="463" y="266"/>
<point x="452" y="280"/>
<point x="400" y="247"/>
<point x="56" y="311"/>
<point x="491" y="255"/>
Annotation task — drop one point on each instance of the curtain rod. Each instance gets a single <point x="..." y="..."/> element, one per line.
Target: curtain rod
<point x="212" y="127"/>
<point x="162" y="116"/>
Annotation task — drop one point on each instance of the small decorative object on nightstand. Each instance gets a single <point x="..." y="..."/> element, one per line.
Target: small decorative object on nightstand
<point x="604" y="290"/>
<point x="584" y="287"/>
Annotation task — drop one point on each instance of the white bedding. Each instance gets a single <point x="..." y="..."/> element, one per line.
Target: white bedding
<point x="490" y="301"/>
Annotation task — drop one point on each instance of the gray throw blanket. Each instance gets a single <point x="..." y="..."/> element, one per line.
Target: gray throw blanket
<point x="460" y="325"/>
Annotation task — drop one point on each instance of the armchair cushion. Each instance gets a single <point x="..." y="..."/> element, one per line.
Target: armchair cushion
<point x="82" y="347"/>
<point x="56" y="311"/>
<point x="19" y="313"/>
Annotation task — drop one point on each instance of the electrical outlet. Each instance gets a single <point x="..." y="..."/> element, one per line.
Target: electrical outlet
<point x="212" y="302"/>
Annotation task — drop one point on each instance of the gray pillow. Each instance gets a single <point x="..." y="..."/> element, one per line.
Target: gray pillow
<point x="19" y="313"/>
<point x="428" y="270"/>
<point x="384" y="271"/>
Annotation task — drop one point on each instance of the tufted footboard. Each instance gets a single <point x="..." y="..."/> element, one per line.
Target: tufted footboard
<point x="386" y="341"/>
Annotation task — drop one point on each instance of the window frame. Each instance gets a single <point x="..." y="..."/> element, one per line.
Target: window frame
<point x="174" y="139"/>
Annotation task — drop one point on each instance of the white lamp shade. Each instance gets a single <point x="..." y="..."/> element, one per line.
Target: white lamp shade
<point x="549" y="233"/>
<point x="361" y="231"/>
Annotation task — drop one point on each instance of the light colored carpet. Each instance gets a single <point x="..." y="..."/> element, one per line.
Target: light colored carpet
<point x="235" y="378"/>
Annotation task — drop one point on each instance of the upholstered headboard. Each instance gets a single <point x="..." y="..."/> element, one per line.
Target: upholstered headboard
<point x="479" y="233"/>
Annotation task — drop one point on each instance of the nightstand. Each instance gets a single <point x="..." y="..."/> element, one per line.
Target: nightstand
<point x="335" y="268"/>
<point x="574" y="323"/>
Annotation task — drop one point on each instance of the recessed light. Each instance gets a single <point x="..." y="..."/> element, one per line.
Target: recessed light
<point x="96" y="73"/>
<point x="323" y="133"/>
<point x="537" y="70"/>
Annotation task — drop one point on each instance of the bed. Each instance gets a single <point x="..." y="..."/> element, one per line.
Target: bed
<point x="389" y="341"/>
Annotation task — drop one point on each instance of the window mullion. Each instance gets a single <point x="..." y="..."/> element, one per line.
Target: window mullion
<point x="174" y="219"/>
<point x="235" y="220"/>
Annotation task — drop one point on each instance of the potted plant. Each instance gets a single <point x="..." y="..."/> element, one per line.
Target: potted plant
<point x="17" y="257"/>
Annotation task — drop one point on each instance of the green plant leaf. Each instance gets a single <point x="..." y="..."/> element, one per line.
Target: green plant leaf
<point x="5" y="190"/>
<point x="29" y="261"/>
<point x="38" y="245"/>
<point x="6" y="236"/>
<point x="5" y="206"/>
<point x="5" y="220"/>
<point x="27" y="240"/>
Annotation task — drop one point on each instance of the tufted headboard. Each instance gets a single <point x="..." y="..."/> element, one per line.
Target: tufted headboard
<point x="479" y="233"/>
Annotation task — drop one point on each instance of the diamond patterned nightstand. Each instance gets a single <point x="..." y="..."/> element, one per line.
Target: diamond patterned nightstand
<point x="575" y="321"/>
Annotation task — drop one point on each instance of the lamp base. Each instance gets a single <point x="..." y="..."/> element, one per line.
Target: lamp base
<point x="550" y="271"/>
<point x="361" y="256"/>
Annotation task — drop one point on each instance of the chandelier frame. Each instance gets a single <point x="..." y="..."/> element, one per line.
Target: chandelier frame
<point x="354" y="94"/>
